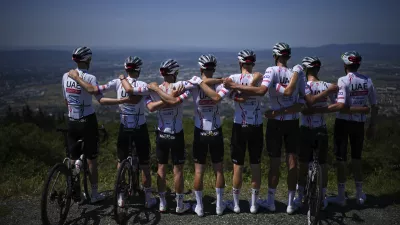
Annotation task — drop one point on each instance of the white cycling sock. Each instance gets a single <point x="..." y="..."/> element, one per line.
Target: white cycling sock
<point x="220" y="194"/>
<point x="254" y="196"/>
<point x="300" y="192"/>
<point x="271" y="196"/>
<point x="199" y="198"/>
<point x="291" y="197"/>
<point x="147" y="192"/>
<point x="163" y="202"/>
<point x="179" y="200"/>
<point x="94" y="189"/>
<point x="236" y="193"/>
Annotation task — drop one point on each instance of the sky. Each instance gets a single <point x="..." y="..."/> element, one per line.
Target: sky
<point x="175" y="24"/>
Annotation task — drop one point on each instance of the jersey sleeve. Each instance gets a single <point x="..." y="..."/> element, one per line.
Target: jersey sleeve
<point x="186" y="84"/>
<point x="222" y="91"/>
<point x="106" y="87"/>
<point x="93" y="81"/>
<point x="332" y="97"/>
<point x="268" y="78"/>
<point x="62" y="86"/>
<point x="341" y="95"/>
<point x="185" y="95"/>
<point x="303" y="88"/>
<point x="372" y="94"/>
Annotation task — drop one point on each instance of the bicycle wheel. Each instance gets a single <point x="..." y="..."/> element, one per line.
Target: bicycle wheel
<point x="314" y="194"/>
<point x="85" y="180"/>
<point x="123" y="190"/>
<point x="57" y="193"/>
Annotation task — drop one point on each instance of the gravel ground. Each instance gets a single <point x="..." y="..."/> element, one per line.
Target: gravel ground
<point x="382" y="210"/>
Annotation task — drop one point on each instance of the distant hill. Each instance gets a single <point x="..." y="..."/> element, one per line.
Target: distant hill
<point x="372" y="51"/>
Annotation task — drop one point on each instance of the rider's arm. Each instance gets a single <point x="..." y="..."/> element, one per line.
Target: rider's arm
<point x="141" y="90"/>
<point x="113" y="101"/>
<point x="374" y="104"/>
<point x="90" y="88"/>
<point x="153" y="106"/>
<point x="169" y="99"/>
<point x="251" y="90"/>
<point x="212" y="81"/>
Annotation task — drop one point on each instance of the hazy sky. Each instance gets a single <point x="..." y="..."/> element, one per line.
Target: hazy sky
<point x="197" y="23"/>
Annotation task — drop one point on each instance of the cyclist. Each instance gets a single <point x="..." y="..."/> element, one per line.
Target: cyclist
<point x="282" y="126"/>
<point x="170" y="136"/>
<point x="247" y="130"/>
<point x="132" y="122"/>
<point x="208" y="135"/>
<point x="354" y="90"/>
<point x="313" y="125"/>
<point x="82" y="121"/>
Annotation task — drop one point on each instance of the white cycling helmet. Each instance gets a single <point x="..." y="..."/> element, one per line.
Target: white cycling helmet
<point x="169" y="67"/>
<point x="207" y="61"/>
<point x="134" y="63"/>
<point x="351" y="58"/>
<point x="82" y="54"/>
<point x="281" y="49"/>
<point x="247" y="56"/>
<point x="311" y="62"/>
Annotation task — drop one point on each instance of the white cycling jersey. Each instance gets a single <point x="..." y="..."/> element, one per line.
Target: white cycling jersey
<point x="250" y="111"/>
<point x="170" y="117"/>
<point x="279" y="77"/>
<point x="206" y="111"/>
<point x="78" y="99"/>
<point x="317" y="120"/>
<point x="131" y="115"/>
<point x="354" y="90"/>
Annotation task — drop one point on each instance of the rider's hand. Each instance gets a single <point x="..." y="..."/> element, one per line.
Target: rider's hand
<point x="228" y="83"/>
<point x="196" y="80"/>
<point x="270" y="114"/>
<point x="73" y="74"/>
<point x="177" y="91"/>
<point x="333" y="88"/>
<point x="152" y="86"/>
<point x="121" y="77"/>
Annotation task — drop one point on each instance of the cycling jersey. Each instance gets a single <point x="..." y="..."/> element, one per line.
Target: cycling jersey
<point x="131" y="115"/>
<point x="206" y="111"/>
<point x="279" y="77"/>
<point x="248" y="112"/>
<point x="170" y="117"/>
<point x="354" y="90"/>
<point x="317" y="120"/>
<point x="79" y="100"/>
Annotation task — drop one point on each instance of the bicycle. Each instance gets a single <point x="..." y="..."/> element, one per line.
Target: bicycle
<point x="126" y="187"/>
<point x="71" y="179"/>
<point x="313" y="197"/>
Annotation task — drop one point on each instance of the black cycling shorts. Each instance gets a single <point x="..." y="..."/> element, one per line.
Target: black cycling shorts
<point x="87" y="129"/>
<point x="204" y="141"/>
<point x="139" y="137"/>
<point x="174" y="143"/>
<point x="310" y="139"/>
<point x="250" y="136"/>
<point x="342" y="132"/>
<point x="279" y="132"/>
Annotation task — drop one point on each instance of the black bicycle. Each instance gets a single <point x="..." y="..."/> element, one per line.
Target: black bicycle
<point x="127" y="182"/>
<point x="68" y="189"/>
<point x="313" y="197"/>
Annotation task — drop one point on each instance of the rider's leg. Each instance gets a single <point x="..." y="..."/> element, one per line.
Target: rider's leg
<point x="255" y="145"/>
<point x="273" y="137"/>
<point x="340" y="147"/>
<point x="238" y="148"/>
<point x="357" y="142"/>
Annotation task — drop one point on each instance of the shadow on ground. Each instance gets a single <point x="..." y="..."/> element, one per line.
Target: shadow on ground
<point x="335" y="214"/>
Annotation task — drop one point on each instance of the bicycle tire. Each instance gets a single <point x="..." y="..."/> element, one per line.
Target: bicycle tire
<point x="63" y="169"/>
<point x="314" y="194"/>
<point x="125" y="165"/>
<point x="86" y="180"/>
